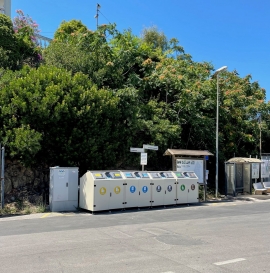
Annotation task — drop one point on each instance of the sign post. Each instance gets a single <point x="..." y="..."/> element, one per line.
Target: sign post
<point x="143" y="154"/>
<point x="143" y="160"/>
<point x="150" y="147"/>
<point x="137" y="150"/>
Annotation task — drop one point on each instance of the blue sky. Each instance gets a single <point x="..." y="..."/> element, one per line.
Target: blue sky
<point x="235" y="33"/>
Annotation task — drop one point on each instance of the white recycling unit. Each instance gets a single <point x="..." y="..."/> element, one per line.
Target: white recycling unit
<point x="192" y="187"/>
<point x="63" y="188"/>
<point x="94" y="191"/>
<point x="187" y="190"/>
<point x="116" y="181"/>
<point x="163" y="188"/>
<point x="157" y="189"/>
<point x="102" y="190"/>
<point x="145" y="190"/>
<point x="131" y="189"/>
<point x="169" y="185"/>
<point x="137" y="189"/>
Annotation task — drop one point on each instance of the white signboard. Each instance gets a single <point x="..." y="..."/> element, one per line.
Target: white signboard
<point x="255" y="170"/>
<point x="137" y="150"/>
<point x="143" y="158"/>
<point x="192" y="165"/>
<point x="150" y="147"/>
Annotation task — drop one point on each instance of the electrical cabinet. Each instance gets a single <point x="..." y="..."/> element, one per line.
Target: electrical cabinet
<point x="63" y="188"/>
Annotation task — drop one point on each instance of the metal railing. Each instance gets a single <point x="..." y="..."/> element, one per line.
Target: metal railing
<point x="43" y="41"/>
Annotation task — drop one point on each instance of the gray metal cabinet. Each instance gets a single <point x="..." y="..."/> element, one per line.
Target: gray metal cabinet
<point x="63" y="188"/>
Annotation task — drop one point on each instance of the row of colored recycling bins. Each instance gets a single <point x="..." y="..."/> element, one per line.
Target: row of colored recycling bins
<point x="107" y="190"/>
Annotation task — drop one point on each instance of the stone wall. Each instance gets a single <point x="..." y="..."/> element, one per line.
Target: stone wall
<point x="22" y="182"/>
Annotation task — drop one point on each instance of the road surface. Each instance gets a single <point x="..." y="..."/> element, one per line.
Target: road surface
<point x="216" y="237"/>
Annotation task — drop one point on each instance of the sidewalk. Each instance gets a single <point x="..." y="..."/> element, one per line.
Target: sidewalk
<point x="243" y="197"/>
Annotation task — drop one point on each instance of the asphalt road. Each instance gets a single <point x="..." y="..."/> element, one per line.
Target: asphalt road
<point x="218" y="237"/>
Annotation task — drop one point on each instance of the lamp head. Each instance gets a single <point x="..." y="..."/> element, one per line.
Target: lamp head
<point x="221" y="69"/>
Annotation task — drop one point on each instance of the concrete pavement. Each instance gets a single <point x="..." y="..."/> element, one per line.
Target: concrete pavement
<point x="214" y="237"/>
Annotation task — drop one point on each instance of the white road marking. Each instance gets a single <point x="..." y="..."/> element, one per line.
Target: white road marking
<point x="230" y="261"/>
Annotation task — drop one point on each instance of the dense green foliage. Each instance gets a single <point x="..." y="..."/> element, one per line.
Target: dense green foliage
<point x="100" y="92"/>
<point x="8" y="44"/>
<point x="18" y="45"/>
<point x="67" y="29"/>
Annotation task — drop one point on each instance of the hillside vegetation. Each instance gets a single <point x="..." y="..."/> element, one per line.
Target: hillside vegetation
<point x="91" y="95"/>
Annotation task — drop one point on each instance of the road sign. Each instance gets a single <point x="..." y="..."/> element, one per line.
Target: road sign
<point x="137" y="150"/>
<point x="143" y="158"/>
<point x="150" y="147"/>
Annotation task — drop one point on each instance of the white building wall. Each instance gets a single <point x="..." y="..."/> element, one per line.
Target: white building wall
<point x="5" y="7"/>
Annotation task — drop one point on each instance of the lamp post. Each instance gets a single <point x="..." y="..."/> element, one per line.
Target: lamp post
<point x="260" y="126"/>
<point x="217" y="116"/>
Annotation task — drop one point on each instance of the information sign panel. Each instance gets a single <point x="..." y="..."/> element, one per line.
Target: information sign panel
<point x="255" y="170"/>
<point x="191" y="165"/>
<point x="143" y="158"/>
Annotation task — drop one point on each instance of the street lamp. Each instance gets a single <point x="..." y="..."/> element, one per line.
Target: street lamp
<point x="217" y="74"/>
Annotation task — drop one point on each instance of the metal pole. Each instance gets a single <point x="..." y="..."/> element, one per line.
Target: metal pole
<point x="204" y="179"/>
<point x="3" y="178"/>
<point x="260" y="135"/>
<point x="97" y="16"/>
<point x="217" y="137"/>
<point x="1" y="186"/>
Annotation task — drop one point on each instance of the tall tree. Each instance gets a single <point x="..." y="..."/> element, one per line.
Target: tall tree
<point x="155" y="38"/>
<point x="50" y="117"/>
<point x="9" y="54"/>
<point x="68" y="29"/>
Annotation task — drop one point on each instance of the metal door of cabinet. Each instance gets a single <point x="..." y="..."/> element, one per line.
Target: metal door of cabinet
<point x="193" y="191"/>
<point x="73" y="184"/>
<point x="60" y="189"/>
<point x="158" y="192"/>
<point x="116" y="195"/>
<point x="182" y="193"/>
<point x="144" y="192"/>
<point x="169" y="192"/>
<point x="131" y="194"/>
<point x="101" y="195"/>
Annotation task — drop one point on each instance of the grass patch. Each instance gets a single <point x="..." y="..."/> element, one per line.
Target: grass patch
<point x="22" y="207"/>
<point x="210" y="194"/>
